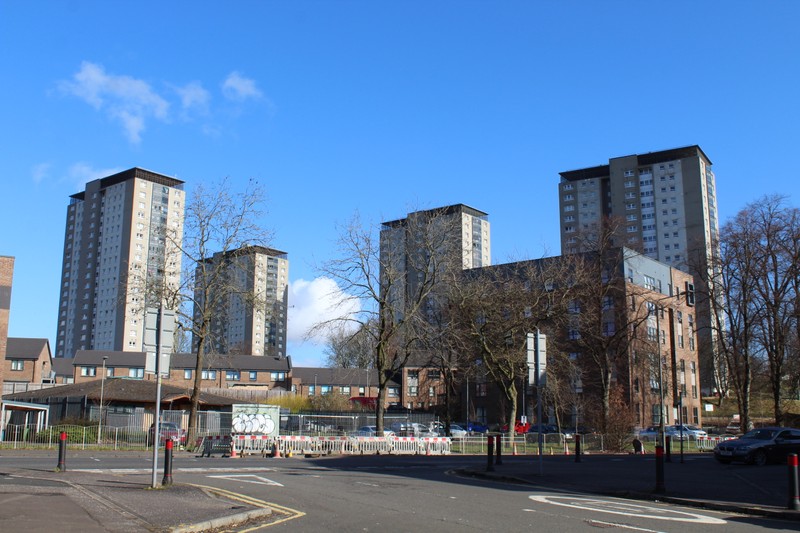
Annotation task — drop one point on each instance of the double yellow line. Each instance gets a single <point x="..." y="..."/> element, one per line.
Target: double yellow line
<point x="291" y="514"/>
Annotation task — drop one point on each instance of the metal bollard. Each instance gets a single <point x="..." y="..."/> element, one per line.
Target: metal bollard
<point x="167" y="481"/>
<point x="660" y="470"/>
<point x="794" y="484"/>
<point x="490" y="454"/>
<point x="577" y="448"/>
<point x="62" y="452"/>
<point x="668" y="457"/>
<point x="499" y="445"/>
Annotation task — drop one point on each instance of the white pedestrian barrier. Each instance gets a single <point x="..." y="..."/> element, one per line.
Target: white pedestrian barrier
<point x="707" y="444"/>
<point x="287" y="445"/>
<point x="253" y="444"/>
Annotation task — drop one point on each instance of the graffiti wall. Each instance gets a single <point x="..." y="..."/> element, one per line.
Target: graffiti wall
<point x="255" y="419"/>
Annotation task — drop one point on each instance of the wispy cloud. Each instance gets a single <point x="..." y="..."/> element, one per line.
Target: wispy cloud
<point x="132" y="102"/>
<point x="238" y="88"/>
<point x="40" y="172"/>
<point x="313" y="302"/>
<point x="82" y="173"/>
<point x="194" y="97"/>
<point x="126" y="99"/>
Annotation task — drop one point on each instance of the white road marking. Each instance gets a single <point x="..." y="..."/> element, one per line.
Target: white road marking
<point x="186" y="470"/>
<point x="627" y="509"/>
<point x="258" y="480"/>
<point x="621" y="526"/>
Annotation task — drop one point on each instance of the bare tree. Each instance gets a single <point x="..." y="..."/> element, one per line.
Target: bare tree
<point x="499" y="306"/>
<point x="736" y="309"/>
<point x="774" y="229"/>
<point x="217" y="221"/>
<point x="386" y="275"/>
<point x="347" y="349"/>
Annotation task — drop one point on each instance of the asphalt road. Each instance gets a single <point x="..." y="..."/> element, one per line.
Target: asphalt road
<point x="396" y="493"/>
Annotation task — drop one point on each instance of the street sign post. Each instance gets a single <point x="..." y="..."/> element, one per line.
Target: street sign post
<point x="159" y="332"/>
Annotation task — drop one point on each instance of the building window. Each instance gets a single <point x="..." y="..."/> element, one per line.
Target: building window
<point x="345" y="389"/>
<point x="394" y="392"/>
<point x="88" y="371"/>
<point x="232" y="375"/>
<point x="480" y="389"/>
<point x="209" y="374"/>
<point x="136" y="373"/>
<point x="362" y="391"/>
<point x="277" y="376"/>
<point x="253" y="375"/>
<point x="434" y="374"/>
<point x="312" y="390"/>
<point x="17" y="364"/>
<point x="412" y="390"/>
<point x="187" y="373"/>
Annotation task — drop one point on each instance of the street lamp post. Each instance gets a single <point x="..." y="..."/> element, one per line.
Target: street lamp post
<point x="661" y="425"/>
<point x="102" y="389"/>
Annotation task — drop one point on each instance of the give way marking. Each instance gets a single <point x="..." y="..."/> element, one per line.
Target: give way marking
<point x="258" y="480"/>
<point x="627" y="509"/>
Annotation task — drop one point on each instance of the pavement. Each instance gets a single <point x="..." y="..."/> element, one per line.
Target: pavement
<point x="40" y="499"/>
<point x="89" y="500"/>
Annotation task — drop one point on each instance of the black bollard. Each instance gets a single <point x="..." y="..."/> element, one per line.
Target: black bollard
<point x="794" y="484"/>
<point x="167" y="481"/>
<point x="62" y="452"/>
<point x="577" y="448"/>
<point x="668" y="458"/>
<point x="490" y="454"/>
<point x="660" y="470"/>
<point x="499" y="445"/>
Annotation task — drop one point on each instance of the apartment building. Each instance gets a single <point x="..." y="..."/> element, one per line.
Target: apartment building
<point x="662" y="204"/>
<point x="464" y="228"/>
<point x="121" y="240"/>
<point x="250" y="315"/>
<point x="219" y="372"/>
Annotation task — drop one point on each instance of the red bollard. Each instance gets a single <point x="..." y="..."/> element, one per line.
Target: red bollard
<point x="62" y="452"/>
<point x="659" y="469"/>
<point x="668" y="457"/>
<point x="490" y="454"/>
<point x="167" y="481"/>
<point x="794" y="484"/>
<point x="499" y="444"/>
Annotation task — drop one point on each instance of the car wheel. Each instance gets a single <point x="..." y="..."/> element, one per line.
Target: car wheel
<point x="760" y="458"/>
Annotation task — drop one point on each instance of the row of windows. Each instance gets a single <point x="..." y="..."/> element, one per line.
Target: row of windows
<point x="138" y="373"/>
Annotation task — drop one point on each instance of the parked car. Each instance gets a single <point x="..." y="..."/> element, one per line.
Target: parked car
<point x="370" y="431"/>
<point x="455" y="430"/>
<point x="760" y="446"/>
<point x="412" y="429"/>
<point x="673" y="432"/>
<point x="474" y="427"/>
<point x="689" y="431"/>
<point x="167" y="430"/>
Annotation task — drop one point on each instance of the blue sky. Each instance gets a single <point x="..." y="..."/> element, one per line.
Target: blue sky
<point x="380" y="108"/>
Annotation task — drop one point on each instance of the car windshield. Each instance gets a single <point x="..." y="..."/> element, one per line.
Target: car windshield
<point x="760" y="434"/>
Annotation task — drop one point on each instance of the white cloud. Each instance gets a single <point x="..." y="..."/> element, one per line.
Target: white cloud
<point x="313" y="302"/>
<point x="125" y="99"/>
<point x="237" y="87"/>
<point x="194" y="97"/>
<point x="40" y="172"/>
<point x="81" y="173"/>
